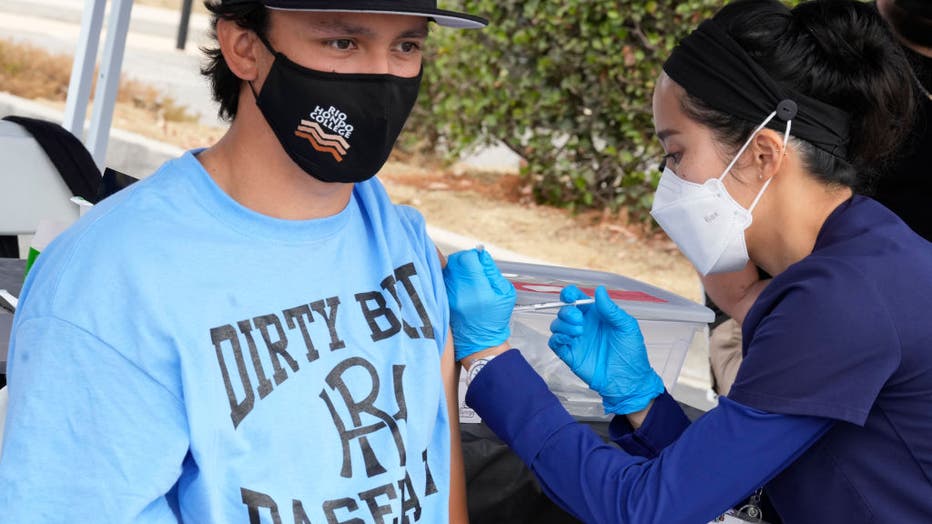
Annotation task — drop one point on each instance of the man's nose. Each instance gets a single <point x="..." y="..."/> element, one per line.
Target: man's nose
<point x="380" y="63"/>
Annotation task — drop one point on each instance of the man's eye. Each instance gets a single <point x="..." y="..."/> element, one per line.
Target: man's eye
<point x="410" y="47"/>
<point x="343" y="44"/>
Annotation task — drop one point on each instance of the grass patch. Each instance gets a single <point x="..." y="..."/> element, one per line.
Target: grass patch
<point x="30" y="72"/>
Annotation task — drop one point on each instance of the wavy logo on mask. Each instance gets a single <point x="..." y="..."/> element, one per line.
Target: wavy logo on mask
<point x="327" y="131"/>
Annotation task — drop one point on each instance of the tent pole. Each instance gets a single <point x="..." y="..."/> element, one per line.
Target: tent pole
<point x="82" y="71"/>
<point x="108" y="80"/>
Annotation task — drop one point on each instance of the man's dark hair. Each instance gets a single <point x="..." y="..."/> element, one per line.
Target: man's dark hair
<point x="225" y="86"/>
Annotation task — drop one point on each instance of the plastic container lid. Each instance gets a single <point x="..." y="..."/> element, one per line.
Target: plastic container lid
<point x="537" y="283"/>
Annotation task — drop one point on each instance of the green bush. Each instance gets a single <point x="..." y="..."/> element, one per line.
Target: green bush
<point x="566" y="85"/>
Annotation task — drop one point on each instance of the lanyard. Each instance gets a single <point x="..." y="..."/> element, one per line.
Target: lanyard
<point x="750" y="512"/>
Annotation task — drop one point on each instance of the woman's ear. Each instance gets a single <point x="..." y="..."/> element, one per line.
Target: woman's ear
<point x="768" y="153"/>
<point x="240" y="48"/>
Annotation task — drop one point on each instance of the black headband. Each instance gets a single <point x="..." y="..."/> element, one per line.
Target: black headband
<point x="713" y="67"/>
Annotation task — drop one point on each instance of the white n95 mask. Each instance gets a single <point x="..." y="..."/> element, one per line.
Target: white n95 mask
<point x="704" y="221"/>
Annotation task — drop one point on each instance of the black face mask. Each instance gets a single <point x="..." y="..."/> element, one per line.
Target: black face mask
<point x="336" y="127"/>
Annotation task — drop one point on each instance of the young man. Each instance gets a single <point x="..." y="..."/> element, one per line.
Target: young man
<point x="254" y="333"/>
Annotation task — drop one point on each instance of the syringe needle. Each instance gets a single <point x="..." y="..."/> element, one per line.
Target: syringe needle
<point x="551" y="305"/>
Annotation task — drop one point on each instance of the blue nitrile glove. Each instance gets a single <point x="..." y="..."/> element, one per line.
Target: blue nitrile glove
<point x="604" y="346"/>
<point x="481" y="301"/>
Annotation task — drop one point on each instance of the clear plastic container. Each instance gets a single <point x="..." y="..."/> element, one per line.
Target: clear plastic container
<point x="669" y="323"/>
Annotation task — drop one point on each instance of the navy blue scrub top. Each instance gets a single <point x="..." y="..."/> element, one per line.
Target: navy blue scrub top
<point x="846" y="334"/>
<point x="831" y="410"/>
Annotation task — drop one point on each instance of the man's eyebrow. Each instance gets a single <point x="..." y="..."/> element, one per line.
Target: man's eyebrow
<point x="337" y="27"/>
<point x="421" y="32"/>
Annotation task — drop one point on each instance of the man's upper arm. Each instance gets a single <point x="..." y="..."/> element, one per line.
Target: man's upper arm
<point x="89" y="434"/>
<point x="450" y="371"/>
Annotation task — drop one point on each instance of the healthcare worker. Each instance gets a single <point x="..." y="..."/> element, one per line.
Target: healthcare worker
<point x="771" y="114"/>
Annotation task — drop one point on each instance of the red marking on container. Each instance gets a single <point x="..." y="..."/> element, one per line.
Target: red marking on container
<point x="615" y="294"/>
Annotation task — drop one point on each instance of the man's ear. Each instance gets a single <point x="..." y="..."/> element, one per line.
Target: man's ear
<point x="240" y="48"/>
<point x="768" y="153"/>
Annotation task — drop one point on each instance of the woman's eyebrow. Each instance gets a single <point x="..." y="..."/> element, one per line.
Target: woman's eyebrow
<point x="663" y="134"/>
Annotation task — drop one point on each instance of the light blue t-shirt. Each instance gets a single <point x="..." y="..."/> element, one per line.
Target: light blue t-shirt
<point x="177" y="354"/>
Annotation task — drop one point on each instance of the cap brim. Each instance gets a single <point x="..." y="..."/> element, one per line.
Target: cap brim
<point x="440" y="16"/>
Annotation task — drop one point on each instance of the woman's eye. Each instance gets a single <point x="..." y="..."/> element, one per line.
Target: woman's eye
<point x="667" y="158"/>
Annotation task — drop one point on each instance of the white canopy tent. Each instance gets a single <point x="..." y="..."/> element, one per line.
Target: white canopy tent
<point x="108" y="76"/>
<point x="46" y="196"/>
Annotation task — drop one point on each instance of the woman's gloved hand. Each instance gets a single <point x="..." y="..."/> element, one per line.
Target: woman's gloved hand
<point x="481" y="302"/>
<point x="604" y="346"/>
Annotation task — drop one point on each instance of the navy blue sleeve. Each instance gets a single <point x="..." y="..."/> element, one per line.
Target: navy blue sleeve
<point x="719" y="460"/>
<point x="664" y="423"/>
<point x="823" y="323"/>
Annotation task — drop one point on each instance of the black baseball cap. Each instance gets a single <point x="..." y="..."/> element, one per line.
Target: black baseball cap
<point x="425" y="8"/>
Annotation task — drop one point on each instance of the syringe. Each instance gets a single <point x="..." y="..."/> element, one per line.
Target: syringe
<point x="551" y="305"/>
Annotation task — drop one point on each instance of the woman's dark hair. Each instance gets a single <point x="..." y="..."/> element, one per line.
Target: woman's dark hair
<point x="225" y="85"/>
<point x="837" y="51"/>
